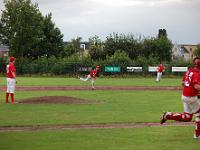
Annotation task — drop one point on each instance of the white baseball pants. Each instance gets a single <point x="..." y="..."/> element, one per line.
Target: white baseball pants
<point x="159" y="75"/>
<point x="89" y="78"/>
<point x="11" y="85"/>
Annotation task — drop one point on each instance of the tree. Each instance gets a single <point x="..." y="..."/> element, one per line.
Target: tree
<point x="73" y="47"/>
<point x="68" y="50"/>
<point x="96" y="48"/>
<point x="27" y="32"/>
<point x="157" y="47"/>
<point x="126" y="43"/>
<point x="120" y="58"/>
<point x="21" y="26"/>
<point x="148" y="48"/>
<point x="52" y="40"/>
<point x="163" y="48"/>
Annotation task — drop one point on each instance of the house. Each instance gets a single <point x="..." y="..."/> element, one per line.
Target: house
<point x="183" y="51"/>
<point x="85" y="46"/>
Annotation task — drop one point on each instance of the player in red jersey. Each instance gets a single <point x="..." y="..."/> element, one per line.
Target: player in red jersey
<point x="91" y="76"/>
<point x="160" y="69"/>
<point x="11" y="79"/>
<point x="191" y="104"/>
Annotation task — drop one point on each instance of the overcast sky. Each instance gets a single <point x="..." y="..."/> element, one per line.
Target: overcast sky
<point x="86" y="18"/>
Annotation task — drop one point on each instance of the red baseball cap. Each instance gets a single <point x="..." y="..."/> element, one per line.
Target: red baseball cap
<point x="97" y="67"/>
<point x="12" y="59"/>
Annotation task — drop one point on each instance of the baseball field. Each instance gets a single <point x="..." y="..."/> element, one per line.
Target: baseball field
<point x="121" y="114"/>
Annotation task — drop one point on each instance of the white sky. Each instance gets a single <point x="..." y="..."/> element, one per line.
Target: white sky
<point x="86" y="18"/>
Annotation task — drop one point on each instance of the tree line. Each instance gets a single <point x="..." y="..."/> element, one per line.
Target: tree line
<point x="32" y="36"/>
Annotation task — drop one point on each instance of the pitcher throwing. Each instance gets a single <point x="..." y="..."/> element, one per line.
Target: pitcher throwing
<point x="91" y="76"/>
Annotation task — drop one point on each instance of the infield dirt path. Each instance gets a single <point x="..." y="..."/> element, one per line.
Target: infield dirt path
<point x="47" y="88"/>
<point x="90" y="126"/>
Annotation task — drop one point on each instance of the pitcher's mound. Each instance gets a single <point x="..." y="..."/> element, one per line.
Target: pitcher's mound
<point x="54" y="100"/>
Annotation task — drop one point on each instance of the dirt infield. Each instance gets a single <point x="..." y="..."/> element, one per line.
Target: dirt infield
<point x="90" y="126"/>
<point x="54" y="100"/>
<point x="49" y="88"/>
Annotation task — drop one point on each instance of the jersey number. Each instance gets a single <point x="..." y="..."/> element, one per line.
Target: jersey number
<point x="188" y="79"/>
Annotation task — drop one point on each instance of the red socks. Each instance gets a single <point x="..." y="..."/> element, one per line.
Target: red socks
<point x="197" y="130"/>
<point x="176" y="117"/>
<point x="12" y="97"/>
<point x="180" y="117"/>
<point x="7" y="96"/>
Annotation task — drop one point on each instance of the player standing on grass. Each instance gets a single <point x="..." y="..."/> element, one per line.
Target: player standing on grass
<point x="191" y="104"/>
<point x="11" y="79"/>
<point x="91" y="76"/>
<point x="160" y="69"/>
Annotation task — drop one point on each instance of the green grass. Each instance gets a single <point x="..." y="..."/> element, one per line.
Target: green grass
<point x="105" y="107"/>
<point x="61" y="81"/>
<point x="149" y="138"/>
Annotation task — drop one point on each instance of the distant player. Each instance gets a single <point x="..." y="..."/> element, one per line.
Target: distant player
<point x="11" y="79"/>
<point x="92" y="76"/>
<point x="191" y="104"/>
<point x="160" y="69"/>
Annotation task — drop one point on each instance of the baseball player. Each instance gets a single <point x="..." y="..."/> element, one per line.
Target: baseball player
<point x="11" y="79"/>
<point x="160" y="69"/>
<point x="91" y="76"/>
<point x="191" y="104"/>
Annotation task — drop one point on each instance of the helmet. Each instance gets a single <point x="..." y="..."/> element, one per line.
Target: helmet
<point x="97" y="67"/>
<point x="12" y="59"/>
<point x="196" y="62"/>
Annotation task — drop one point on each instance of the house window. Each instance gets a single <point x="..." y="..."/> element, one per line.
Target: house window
<point x="82" y="46"/>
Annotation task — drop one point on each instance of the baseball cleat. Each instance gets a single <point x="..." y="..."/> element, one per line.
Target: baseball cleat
<point x="196" y="136"/>
<point x="163" y="118"/>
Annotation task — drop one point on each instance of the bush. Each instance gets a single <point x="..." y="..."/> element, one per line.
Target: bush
<point x="70" y="65"/>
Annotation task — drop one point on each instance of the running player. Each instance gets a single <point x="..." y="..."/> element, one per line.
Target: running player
<point x="160" y="70"/>
<point x="191" y="104"/>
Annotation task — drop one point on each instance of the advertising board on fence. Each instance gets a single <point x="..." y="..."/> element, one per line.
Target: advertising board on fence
<point x="112" y="69"/>
<point x="82" y="69"/>
<point x="134" y="69"/>
<point x="152" y="69"/>
<point x="179" y="69"/>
